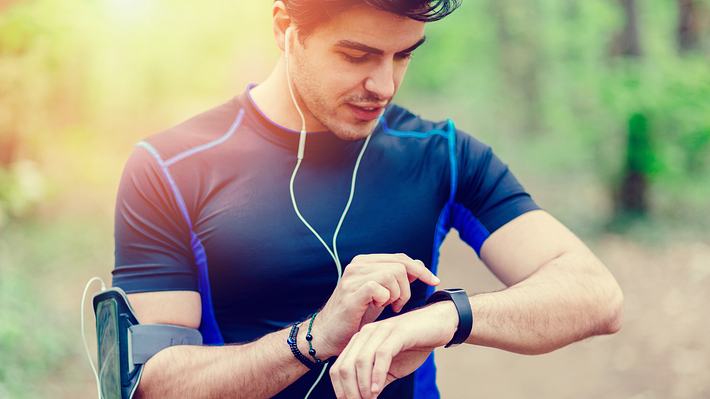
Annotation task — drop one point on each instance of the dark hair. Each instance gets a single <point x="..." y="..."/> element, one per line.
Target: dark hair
<point x="308" y="13"/>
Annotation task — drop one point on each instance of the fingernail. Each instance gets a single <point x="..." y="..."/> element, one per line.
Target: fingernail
<point x="436" y="279"/>
<point x="374" y="388"/>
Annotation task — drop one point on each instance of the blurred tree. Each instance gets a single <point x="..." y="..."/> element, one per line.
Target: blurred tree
<point x="640" y="156"/>
<point x="627" y="42"/>
<point x="632" y="194"/>
<point x="15" y="41"/>
<point x="520" y="57"/>
<point x="688" y="25"/>
<point x="693" y="22"/>
<point x="25" y="76"/>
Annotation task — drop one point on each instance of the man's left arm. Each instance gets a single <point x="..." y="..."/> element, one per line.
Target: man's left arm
<point x="558" y="293"/>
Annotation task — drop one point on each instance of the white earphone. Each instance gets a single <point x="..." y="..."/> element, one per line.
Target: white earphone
<point x="302" y="138"/>
<point x="301" y="150"/>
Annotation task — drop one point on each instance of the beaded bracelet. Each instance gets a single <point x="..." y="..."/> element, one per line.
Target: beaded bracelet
<point x="291" y="340"/>
<point x="309" y="338"/>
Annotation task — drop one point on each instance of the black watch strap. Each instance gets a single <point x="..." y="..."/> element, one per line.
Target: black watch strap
<point x="463" y="307"/>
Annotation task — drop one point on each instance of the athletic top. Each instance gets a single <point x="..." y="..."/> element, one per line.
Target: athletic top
<point x="205" y="206"/>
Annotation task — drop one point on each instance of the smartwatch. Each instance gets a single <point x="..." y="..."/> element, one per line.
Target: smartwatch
<point x="463" y="307"/>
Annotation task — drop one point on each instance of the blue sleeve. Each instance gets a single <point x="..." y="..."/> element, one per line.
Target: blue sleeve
<point x="152" y="239"/>
<point x="487" y="193"/>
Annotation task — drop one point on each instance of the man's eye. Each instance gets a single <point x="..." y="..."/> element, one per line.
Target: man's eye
<point x="355" y="60"/>
<point x="404" y="56"/>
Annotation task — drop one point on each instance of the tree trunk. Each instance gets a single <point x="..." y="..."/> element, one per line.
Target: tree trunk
<point x="520" y="58"/>
<point x="688" y="25"/>
<point x="632" y="194"/>
<point x="627" y="42"/>
<point x="632" y="197"/>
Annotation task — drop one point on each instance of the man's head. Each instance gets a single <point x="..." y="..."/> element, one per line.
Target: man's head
<point x="348" y="56"/>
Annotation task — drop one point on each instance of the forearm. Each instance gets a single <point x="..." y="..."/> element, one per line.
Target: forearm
<point x="258" y="369"/>
<point x="568" y="299"/>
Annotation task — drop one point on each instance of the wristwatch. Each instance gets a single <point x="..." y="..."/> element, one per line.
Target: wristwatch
<point x="463" y="307"/>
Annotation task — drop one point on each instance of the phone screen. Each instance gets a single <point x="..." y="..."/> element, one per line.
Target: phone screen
<point x="109" y="350"/>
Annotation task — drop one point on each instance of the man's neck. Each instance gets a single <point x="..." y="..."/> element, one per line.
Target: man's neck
<point x="273" y="98"/>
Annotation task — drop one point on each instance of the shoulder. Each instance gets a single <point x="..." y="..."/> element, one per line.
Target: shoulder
<point x="407" y="136"/>
<point x="400" y="122"/>
<point x="198" y="133"/>
<point x="404" y="126"/>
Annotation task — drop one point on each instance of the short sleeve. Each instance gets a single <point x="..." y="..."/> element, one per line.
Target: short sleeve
<point x="152" y="238"/>
<point x="487" y="195"/>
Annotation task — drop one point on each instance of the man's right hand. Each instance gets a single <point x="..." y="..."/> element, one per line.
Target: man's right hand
<point x="368" y="284"/>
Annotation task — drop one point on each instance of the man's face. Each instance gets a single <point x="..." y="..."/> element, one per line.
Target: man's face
<point x="354" y="61"/>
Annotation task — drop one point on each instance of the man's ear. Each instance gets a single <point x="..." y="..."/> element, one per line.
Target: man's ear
<point x="281" y="21"/>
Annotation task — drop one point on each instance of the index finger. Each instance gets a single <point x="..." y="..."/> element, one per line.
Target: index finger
<point x="415" y="267"/>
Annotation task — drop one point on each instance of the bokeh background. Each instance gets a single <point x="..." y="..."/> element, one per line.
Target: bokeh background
<point x="601" y="108"/>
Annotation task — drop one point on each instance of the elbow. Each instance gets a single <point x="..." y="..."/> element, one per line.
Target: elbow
<point x="613" y="311"/>
<point x="605" y="301"/>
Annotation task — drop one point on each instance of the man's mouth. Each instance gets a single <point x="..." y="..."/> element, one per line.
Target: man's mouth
<point x="366" y="112"/>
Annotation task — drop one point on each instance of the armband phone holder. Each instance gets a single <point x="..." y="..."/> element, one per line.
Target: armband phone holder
<point x="125" y="345"/>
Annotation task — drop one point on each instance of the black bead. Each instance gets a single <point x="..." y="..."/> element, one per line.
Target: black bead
<point x="309" y="337"/>
<point x="312" y="352"/>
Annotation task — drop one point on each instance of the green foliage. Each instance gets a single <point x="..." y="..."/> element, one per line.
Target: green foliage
<point x="641" y="156"/>
<point x="21" y="187"/>
<point x="38" y="331"/>
<point x="28" y="352"/>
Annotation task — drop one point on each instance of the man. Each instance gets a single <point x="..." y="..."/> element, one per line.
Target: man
<point x="216" y="230"/>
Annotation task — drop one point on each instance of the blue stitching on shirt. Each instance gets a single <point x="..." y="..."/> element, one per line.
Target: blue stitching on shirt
<point x="209" y="328"/>
<point x="452" y="160"/>
<point x="408" y="133"/>
<point x="209" y="145"/>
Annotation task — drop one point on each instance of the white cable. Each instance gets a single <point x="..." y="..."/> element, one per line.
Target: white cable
<point x="347" y="206"/>
<point x="325" y="366"/>
<point x="83" y="334"/>
<point x="298" y="212"/>
<point x="302" y="137"/>
<point x="301" y="150"/>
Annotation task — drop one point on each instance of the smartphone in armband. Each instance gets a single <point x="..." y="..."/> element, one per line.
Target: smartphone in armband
<point x="125" y="345"/>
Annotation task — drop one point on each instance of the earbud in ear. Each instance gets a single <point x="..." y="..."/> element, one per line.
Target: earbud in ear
<point x="288" y="39"/>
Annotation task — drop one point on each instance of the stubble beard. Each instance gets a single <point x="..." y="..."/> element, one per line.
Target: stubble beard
<point x="319" y="108"/>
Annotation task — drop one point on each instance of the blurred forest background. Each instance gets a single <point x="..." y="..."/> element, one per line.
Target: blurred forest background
<point x="601" y="108"/>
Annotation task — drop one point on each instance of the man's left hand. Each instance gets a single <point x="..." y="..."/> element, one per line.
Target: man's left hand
<point x="386" y="350"/>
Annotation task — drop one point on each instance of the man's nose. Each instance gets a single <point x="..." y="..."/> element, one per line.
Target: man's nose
<point x="381" y="81"/>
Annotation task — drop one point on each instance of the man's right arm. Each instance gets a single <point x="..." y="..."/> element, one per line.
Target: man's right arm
<point x="151" y="230"/>
<point x="154" y="257"/>
<point x="264" y="367"/>
<point x="259" y="369"/>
